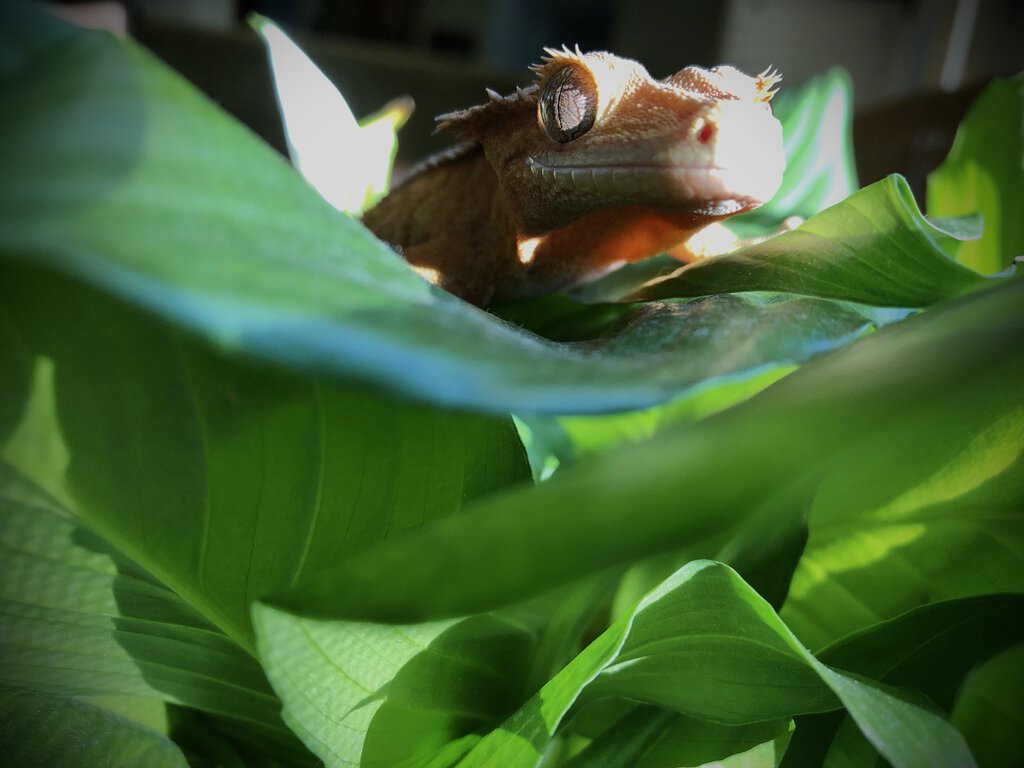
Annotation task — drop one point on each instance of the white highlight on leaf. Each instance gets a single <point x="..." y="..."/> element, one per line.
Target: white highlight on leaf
<point x="348" y="163"/>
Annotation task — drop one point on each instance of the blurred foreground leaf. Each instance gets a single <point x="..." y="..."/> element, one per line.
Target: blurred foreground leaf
<point x="934" y="391"/>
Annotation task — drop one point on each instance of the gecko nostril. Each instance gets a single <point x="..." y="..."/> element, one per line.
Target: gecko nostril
<point x="705" y="133"/>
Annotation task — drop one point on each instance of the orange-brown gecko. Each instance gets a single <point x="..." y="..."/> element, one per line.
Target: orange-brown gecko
<point x="595" y="165"/>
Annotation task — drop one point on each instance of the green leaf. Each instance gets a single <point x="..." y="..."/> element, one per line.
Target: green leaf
<point x="933" y="647"/>
<point x="80" y="621"/>
<point x="874" y="247"/>
<point x="51" y="579"/>
<point x="705" y="644"/>
<point x="930" y="525"/>
<point x="990" y="709"/>
<point x="392" y="694"/>
<point x="736" y="345"/>
<point x="15" y="375"/>
<point x="228" y="481"/>
<point x="216" y="234"/>
<point x="349" y="164"/>
<point x="649" y="737"/>
<point x="422" y="693"/>
<point x="916" y="397"/>
<point x="904" y="728"/>
<point x="41" y="730"/>
<point x="554" y="441"/>
<point x="984" y="173"/>
<point x="929" y="649"/>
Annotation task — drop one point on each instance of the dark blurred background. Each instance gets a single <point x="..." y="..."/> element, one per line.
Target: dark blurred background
<point x="916" y="64"/>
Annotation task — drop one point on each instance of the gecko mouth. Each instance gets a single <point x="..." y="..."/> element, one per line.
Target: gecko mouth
<point x="708" y="184"/>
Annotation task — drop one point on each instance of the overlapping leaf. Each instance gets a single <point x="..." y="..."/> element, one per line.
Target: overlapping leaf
<point x="124" y="641"/>
<point x="649" y="737"/>
<point x="984" y="173"/>
<point x="376" y="695"/>
<point x="44" y="730"/>
<point x="990" y="709"/>
<point x="931" y="649"/>
<point x="938" y="382"/>
<point x="895" y="260"/>
<point x="703" y="643"/>
<point x="229" y="481"/>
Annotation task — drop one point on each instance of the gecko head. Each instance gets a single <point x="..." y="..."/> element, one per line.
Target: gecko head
<point x="597" y="132"/>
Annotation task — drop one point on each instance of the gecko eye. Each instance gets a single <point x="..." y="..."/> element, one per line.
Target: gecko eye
<point x="568" y="105"/>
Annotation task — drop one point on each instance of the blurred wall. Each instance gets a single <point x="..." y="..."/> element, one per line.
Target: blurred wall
<point x="902" y="54"/>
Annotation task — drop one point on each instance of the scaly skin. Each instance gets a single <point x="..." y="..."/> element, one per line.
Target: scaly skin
<point x="595" y="165"/>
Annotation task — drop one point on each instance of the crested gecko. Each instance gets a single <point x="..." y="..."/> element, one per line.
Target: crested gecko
<point x="594" y="165"/>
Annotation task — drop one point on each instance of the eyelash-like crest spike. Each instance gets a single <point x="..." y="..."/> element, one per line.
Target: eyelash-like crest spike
<point x="764" y="82"/>
<point x="463" y="121"/>
<point x="553" y="57"/>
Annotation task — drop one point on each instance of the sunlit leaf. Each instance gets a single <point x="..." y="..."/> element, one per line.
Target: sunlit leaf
<point x="346" y="162"/>
<point x="392" y="694"/>
<point x="984" y="173"/>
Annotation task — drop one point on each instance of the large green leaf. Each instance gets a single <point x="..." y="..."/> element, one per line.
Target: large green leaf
<point x="984" y="173"/>
<point x="41" y="730"/>
<point x="917" y="396"/>
<point x="228" y="481"/>
<point x="82" y="623"/>
<point x="216" y="233"/>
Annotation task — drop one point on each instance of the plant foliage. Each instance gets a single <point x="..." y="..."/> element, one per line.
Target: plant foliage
<point x="263" y="500"/>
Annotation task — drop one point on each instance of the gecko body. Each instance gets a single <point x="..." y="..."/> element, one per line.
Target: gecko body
<point x="594" y="165"/>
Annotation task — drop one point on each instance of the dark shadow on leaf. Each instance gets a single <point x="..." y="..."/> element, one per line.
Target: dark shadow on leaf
<point x="190" y="661"/>
<point x="486" y="660"/>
